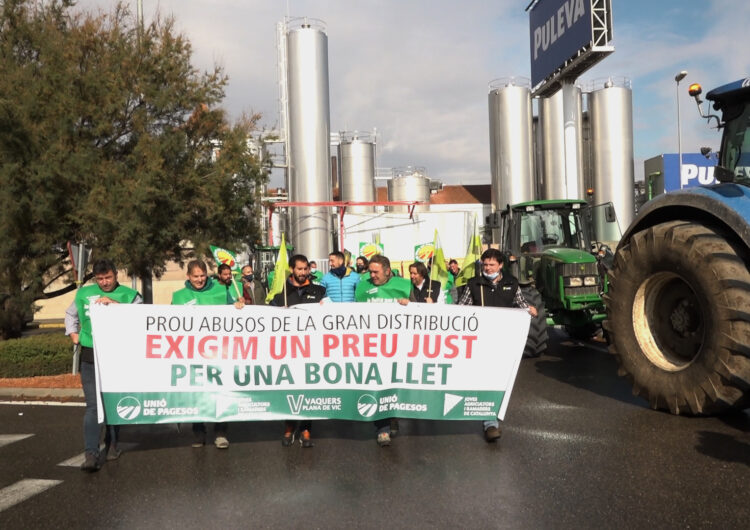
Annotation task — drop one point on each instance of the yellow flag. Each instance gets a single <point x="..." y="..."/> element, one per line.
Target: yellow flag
<point x="280" y="272"/>
<point x="439" y="272"/>
<point x="472" y="255"/>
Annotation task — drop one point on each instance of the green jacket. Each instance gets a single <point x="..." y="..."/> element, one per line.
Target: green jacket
<point x="86" y="295"/>
<point x="390" y="291"/>
<point x="213" y="293"/>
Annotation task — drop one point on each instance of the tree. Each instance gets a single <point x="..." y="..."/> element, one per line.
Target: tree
<point x="108" y="135"/>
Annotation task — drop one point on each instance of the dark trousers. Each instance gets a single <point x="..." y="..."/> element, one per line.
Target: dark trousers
<point x="91" y="427"/>
<point x="304" y="425"/>
<point x="220" y="429"/>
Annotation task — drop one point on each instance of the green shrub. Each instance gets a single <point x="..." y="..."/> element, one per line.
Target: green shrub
<point x="46" y="354"/>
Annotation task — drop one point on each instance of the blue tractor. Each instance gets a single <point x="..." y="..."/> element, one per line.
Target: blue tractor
<point x="678" y="306"/>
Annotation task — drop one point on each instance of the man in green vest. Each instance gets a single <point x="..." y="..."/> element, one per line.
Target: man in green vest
<point x="382" y="286"/>
<point x="201" y="290"/>
<point x="315" y="275"/>
<point x="105" y="291"/>
<point x="224" y="277"/>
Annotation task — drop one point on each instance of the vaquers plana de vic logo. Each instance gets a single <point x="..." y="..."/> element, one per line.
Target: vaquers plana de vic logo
<point x="128" y="408"/>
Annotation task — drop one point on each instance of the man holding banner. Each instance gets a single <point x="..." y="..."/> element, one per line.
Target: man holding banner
<point x="382" y="286"/>
<point x="299" y="289"/>
<point x="494" y="289"/>
<point x="201" y="290"/>
<point x="78" y="326"/>
<point x="424" y="290"/>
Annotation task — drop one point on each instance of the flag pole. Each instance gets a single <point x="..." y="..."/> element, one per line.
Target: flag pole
<point x="237" y="289"/>
<point x="429" y="276"/>
<point x="285" y="281"/>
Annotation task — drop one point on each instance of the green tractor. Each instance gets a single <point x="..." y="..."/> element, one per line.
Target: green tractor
<point x="550" y="247"/>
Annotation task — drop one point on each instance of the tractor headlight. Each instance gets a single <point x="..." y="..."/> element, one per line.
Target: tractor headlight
<point x="573" y="281"/>
<point x="590" y="280"/>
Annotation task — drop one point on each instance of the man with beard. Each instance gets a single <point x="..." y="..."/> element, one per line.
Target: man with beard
<point x="340" y="281"/>
<point x="298" y="289"/>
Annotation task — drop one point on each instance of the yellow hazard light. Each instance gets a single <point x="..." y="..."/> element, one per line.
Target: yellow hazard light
<point x="590" y="191"/>
<point x="695" y="89"/>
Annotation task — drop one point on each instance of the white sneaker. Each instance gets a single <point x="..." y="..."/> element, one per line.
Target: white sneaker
<point x="221" y="442"/>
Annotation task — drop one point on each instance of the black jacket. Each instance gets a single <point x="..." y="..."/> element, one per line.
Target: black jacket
<point x="307" y="294"/>
<point x="420" y="295"/>
<point x="500" y="294"/>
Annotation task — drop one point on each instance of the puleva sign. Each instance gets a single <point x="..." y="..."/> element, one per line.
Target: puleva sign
<point x="558" y="29"/>
<point x="697" y="170"/>
<point x="159" y="364"/>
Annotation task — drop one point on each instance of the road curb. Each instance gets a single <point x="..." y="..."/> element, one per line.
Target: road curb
<point x="41" y="394"/>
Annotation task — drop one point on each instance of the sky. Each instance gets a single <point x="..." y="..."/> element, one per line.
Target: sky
<point x="418" y="70"/>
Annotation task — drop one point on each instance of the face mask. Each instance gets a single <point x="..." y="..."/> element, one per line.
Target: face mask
<point x="361" y="268"/>
<point x="248" y="278"/>
<point x="491" y="276"/>
<point x="313" y="271"/>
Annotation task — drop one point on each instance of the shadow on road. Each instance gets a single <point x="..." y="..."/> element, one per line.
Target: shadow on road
<point x="585" y="365"/>
<point x="723" y="447"/>
<point x="154" y="437"/>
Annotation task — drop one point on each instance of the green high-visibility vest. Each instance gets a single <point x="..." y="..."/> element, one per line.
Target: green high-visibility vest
<point x="86" y="295"/>
<point x="216" y="294"/>
<point x="390" y="291"/>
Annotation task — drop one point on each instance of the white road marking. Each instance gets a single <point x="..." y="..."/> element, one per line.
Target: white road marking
<point x="77" y="460"/>
<point x="6" y="439"/>
<point x="22" y="490"/>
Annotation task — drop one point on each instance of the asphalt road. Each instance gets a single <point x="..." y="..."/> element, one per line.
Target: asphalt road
<point x="578" y="451"/>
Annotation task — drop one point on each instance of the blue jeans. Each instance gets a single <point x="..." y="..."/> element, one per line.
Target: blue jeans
<point x="490" y="423"/>
<point x="91" y="428"/>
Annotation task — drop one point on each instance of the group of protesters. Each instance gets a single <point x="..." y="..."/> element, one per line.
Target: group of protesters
<point x="370" y="280"/>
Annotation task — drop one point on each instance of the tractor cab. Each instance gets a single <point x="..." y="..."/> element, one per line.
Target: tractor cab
<point x="550" y="246"/>
<point x="532" y="229"/>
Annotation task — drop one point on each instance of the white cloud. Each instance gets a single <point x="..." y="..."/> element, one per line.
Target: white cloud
<point x="418" y="70"/>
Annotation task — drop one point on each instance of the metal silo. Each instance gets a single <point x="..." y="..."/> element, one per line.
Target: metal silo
<point x="611" y="117"/>
<point x="511" y="144"/>
<point x="409" y="184"/>
<point x="559" y="180"/>
<point x="309" y="137"/>
<point x="357" y="170"/>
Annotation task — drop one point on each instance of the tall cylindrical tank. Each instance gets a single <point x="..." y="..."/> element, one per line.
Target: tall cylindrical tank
<point x="557" y="181"/>
<point x="409" y="184"/>
<point x="511" y="144"/>
<point x="357" y="170"/>
<point x="611" y="116"/>
<point x="309" y="137"/>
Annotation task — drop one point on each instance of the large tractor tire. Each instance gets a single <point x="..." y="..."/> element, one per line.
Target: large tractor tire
<point x="536" y="342"/>
<point x="679" y="318"/>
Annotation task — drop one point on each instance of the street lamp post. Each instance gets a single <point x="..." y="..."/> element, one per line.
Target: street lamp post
<point x="679" y="77"/>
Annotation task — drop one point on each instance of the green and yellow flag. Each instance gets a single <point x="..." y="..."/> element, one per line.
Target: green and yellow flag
<point x="472" y="255"/>
<point x="280" y="272"/>
<point x="223" y="256"/>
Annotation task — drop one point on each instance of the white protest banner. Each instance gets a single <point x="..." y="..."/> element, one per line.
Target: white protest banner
<point x="159" y="364"/>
